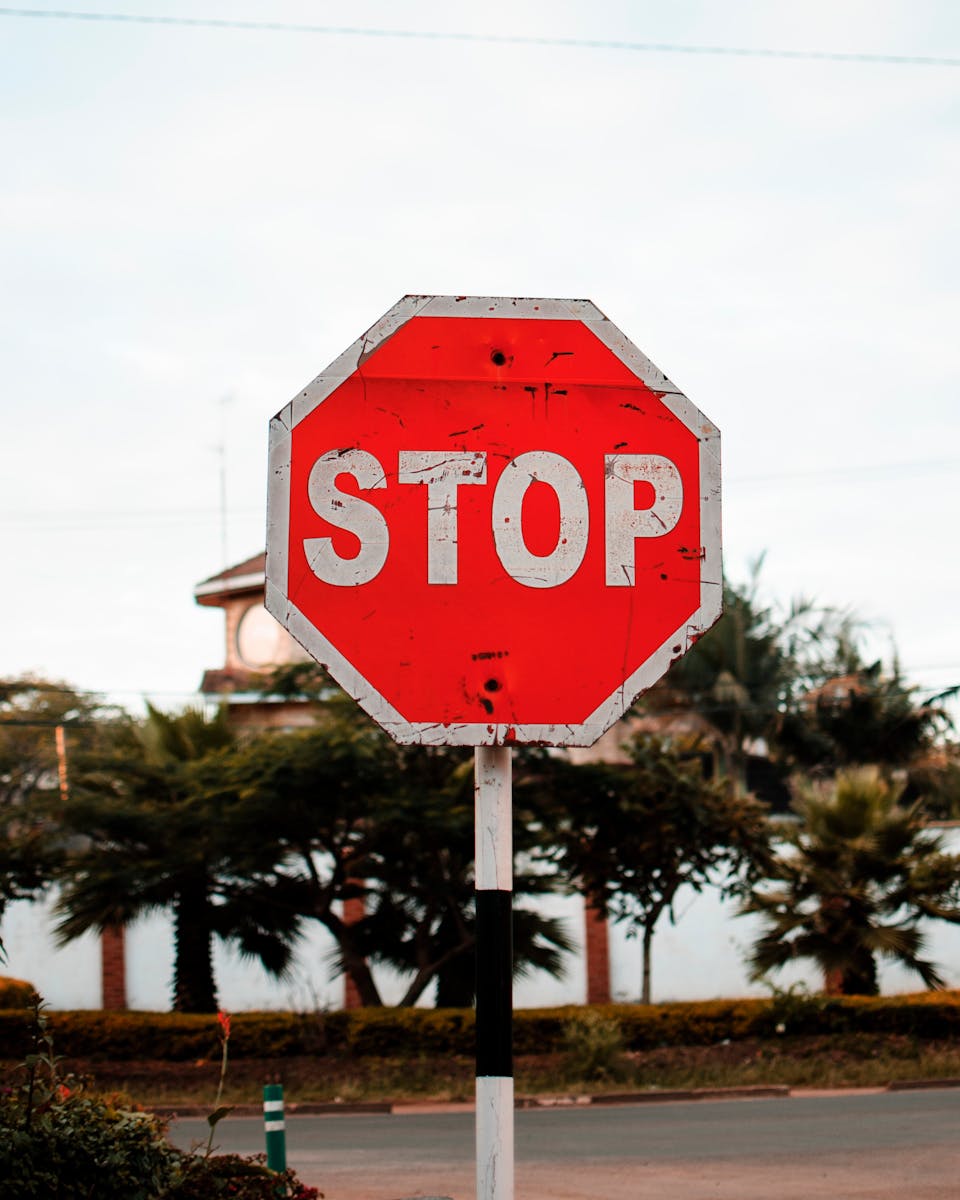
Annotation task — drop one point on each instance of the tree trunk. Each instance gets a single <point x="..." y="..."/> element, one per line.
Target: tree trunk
<point x="860" y="976"/>
<point x="357" y="967"/>
<point x="647" y="944"/>
<point x="359" y="972"/>
<point x="653" y="916"/>
<point x="457" y="983"/>
<point x="194" y="989"/>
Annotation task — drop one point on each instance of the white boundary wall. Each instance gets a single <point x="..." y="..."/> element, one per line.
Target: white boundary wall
<point x="701" y="957"/>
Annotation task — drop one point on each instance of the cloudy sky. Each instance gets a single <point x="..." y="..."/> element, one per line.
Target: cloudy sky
<point x="195" y="220"/>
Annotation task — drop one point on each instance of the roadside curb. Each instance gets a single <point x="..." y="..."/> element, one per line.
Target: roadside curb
<point x="911" y="1085"/>
<point x="748" y="1092"/>
<point x="291" y="1109"/>
<point x="522" y="1102"/>
<point x="660" y="1096"/>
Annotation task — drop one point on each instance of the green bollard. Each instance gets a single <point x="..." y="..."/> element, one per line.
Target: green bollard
<point x="274" y="1127"/>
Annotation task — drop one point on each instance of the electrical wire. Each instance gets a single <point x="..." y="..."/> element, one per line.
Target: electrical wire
<point x="497" y="39"/>
<point x="90" y="519"/>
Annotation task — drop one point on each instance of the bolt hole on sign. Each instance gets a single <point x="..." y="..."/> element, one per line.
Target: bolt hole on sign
<point x="494" y="520"/>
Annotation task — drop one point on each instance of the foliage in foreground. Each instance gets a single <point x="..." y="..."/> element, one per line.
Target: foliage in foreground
<point x="57" y="1141"/>
<point x="79" y="1147"/>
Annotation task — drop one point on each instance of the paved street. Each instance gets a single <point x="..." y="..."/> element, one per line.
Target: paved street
<point x="849" y="1146"/>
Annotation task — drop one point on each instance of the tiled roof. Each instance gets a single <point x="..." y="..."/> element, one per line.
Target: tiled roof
<point x="250" y="566"/>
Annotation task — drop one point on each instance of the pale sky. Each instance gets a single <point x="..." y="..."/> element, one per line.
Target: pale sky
<point x="195" y="221"/>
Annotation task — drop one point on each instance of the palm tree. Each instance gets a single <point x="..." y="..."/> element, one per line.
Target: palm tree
<point x="425" y="878"/>
<point x="867" y="716"/>
<point x="349" y="814"/>
<point x="852" y="883"/>
<point x="755" y="664"/>
<point x="43" y="725"/>
<point x="158" y="834"/>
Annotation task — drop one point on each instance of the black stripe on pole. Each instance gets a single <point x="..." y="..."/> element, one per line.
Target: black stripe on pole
<point x="495" y="983"/>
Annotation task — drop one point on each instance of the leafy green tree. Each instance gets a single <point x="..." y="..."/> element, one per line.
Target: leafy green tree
<point x="43" y="725"/>
<point x="310" y="796"/>
<point x="852" y="883"/>
<point x="631" y="836"/>
<point x="159" y="834"/>
<point x="867" y="716"/>
<point x="352" y="815"/>
<point x="934" y="780"/>
<point x="426" y="831"/>
<point x="755" y="663"/>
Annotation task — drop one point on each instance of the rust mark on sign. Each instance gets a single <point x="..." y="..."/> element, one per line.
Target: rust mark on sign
<point x="633" y="496"/>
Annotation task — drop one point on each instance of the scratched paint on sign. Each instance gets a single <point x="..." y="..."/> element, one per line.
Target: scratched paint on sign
<point x="494" y="527"/>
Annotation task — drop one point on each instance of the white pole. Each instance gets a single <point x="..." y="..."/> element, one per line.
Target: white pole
<point x="494" y="896"/>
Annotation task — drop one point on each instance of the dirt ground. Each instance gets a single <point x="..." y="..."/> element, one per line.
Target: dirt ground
<point x="849" y="1060"/>
<point x="837" y="1177"/>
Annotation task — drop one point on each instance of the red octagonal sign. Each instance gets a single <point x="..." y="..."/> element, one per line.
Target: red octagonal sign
<point x="494" y="520"/>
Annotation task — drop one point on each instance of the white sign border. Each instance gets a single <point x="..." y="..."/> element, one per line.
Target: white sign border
<point x="483" y="733"/>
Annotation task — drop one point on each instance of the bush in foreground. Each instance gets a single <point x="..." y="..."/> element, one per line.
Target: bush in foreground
<point x="78" y="1147"/>
<point x="57" y="1141"/>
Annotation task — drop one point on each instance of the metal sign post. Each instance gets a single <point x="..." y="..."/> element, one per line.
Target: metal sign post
<point x="495" y="522"/>
<point x="493" y="881"/>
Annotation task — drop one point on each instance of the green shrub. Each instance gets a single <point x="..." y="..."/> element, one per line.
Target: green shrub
<point x="176" y="1037"/>
<point x="388" y="1032"/>
<point x="415" y="1032"/>
<point x="57" y="1142"/>
<point x="66" y="1148"/>
<point x="15" y="993"/>
<point x="593" y="1047"/>
<point x="82" y="1147"/>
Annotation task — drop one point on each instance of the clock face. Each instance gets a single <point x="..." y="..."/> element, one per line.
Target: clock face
<point x="260" y="639"/>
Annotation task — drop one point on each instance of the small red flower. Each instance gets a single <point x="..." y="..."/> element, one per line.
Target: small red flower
<point x="62" y="1091"/>
<point x="223" y="1020"/>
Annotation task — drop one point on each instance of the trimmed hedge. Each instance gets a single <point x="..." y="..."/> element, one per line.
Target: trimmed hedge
<point x="413" y="1032"/>
<point x="15" y="993"/>
<point x="174" y="1037"/>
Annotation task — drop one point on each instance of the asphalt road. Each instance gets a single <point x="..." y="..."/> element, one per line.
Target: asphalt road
<point x="848" y="1146"/>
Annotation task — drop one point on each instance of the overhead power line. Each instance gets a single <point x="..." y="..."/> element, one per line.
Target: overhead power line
<point x="102" y="518"/>
<point x="500" y="39"/>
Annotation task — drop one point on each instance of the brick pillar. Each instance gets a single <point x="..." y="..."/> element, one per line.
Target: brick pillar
<point x="597" y="952"/>
<point x="113" y="969"/>
<point x="354" y="910"/>
<point x="833" y="982"/>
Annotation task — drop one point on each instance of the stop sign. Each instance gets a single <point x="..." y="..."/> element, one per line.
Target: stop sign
<point x="494" y="520"/>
